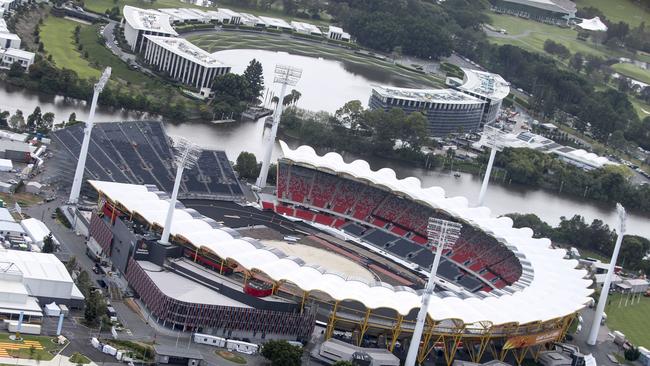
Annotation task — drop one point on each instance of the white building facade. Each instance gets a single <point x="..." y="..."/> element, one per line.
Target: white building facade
<point x="183" y="61"/>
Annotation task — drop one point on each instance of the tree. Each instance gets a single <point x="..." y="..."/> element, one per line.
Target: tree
<point x="246" y="165"/>
<point x="577" y="61"/>
<point x="95" y="308"/>
<point x="48" y="244"/>
<point x="281" y="353"/>
<point x="231" y="94"/>
<point x="632" y="354"/>
<point x="4" y="118"/>
<point x="17" y="121"/>
<point x="34" y="119"/>
<point x="16" y="70"/>
<point x="84" y="283"/>
<point x="46" y="123"/>
<point x="255" y="77"/>
<point x="291" y="98"/>
<point x="72" y="118"/>
<point x="71" y="264"/>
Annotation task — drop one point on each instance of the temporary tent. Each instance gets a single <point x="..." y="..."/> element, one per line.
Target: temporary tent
<point x="52" y="309"/>
<point x="6" y="165"/>
<point x="594" y="24"/>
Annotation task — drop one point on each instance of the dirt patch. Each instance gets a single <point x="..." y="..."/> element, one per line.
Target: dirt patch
<point x="26" y="23"/>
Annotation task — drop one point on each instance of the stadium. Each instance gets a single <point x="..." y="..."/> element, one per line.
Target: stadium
<point x="238" y="271"/>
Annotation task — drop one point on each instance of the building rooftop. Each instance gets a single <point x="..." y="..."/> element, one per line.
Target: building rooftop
<point x="560" y="6"/>
<point x="250" y="18"/>
<point x="275" y="22"/>
<point x="148" y="20"/>
<point x="448" y="96"/>
<point x="486" y="84"/>
<point x="305" y="27"/>
<point x="186" y="49"/>
<point x="22" y="54"/>
<point x="8" y="35"/>
<point x="183" y="289"/>
<point x="229" y="12"/>
<point x="9" y="226"/>
<point x="5" y="215"/>
<point x="42" y="266"/>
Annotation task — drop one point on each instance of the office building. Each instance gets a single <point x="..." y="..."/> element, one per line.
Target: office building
<point x="138" y="23"/>
<point x="183" y="61"/>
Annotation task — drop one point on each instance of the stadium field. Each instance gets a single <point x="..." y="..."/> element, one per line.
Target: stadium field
<point x="619" y="10"/>
<point x="632" y="320"/>
<point x="57" y="35"/>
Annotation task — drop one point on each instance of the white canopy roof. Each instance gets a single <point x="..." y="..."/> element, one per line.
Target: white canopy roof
<point x="557" y="288"/>
<point x="593" y="24"/>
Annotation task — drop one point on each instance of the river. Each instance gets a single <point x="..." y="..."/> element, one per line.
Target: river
<point x="326" y="85"/>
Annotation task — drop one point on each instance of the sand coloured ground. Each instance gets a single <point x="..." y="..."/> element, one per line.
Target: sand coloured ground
<point x="329" y="260"/>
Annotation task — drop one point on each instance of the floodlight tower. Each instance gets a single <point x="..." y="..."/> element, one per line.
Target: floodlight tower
<point x="83" y="154"/>
<point x="442" y="234"/>
<point x="494" y="141"/>
<point x="285" y="75"/>
<point x="602" y="300"/>
<point x="187" y="154"/>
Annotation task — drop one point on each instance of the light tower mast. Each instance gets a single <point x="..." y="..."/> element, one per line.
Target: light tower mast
<point x="187" y="154"/>
<point x="442" y="234"/>
<point x="602" y="300"/>
<point x="494" y="141"/>
<point x="83" y="154"/>
<point x="285" y="75"/>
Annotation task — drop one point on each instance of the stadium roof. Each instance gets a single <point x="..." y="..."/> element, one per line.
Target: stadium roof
<point x="486" y="84"/>
<point x="148" y="20"/>
<point x="448" y="96"/>
<point x="187" y="50"/>
<point x="560" y="6"/>
<point x="557" y="288"/>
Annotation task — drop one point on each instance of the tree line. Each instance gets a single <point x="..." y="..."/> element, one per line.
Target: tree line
<point x="355" y="129"/>
<point x="607" y="184"/>
<point x="596" y="237"/>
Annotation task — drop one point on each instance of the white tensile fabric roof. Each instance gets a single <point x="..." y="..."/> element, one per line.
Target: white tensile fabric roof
<point x="593" y="24"/>
<point x="557" y="288"/>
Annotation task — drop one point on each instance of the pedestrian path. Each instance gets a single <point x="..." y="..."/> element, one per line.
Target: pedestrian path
<point x="58" y="360"/>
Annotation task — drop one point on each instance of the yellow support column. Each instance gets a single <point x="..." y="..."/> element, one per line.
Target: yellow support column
<point x="305" y="294"/>
<point x="396" y="332"/>
<point x="363" y="327"/>
<point x="331" y="321"/>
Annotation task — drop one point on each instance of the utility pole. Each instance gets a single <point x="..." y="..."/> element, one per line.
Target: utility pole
<point x="83" y="154"/>
<point x="602" y="300"/>
<point x="187" y="154"/>
<point x="442" y="234"/>
<point x="285" y="75"/>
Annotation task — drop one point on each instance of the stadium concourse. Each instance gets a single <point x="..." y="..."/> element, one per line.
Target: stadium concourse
<point x="504" y="293"/>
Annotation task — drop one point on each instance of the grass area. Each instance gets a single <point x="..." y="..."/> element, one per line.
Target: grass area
<point x="100" y="6"/>
<point x="619" y="10"/>
<point x="586" y="253"/>
<point x="229" y="356"/>
<point x="632" y="320"/>
<point x="239" y="40"/>
<point x="48" y="347"/>
<point x="78" y="358"/>
<point x="633" y="72"/>
<point x="24" y="199"/>
<point x="642" y="109"/>
<point x="531" y="35"/>
<point x="57" y="35"/>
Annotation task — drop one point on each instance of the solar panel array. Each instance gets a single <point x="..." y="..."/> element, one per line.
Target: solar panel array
<point x="142" y="153"/>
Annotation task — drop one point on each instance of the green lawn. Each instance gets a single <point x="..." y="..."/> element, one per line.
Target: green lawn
<point x="47" y="353"/>
<point x="100" y="57"/>
<point x="633" y="71"/>
<point x="632" y="320"/>
<point x="642" y="109"/>
<point x="531" y="35"/>
<point x="238" y="40"/>
<point x="619" y="10"/>
<point x="57" y="35"/>
<point x="78" y="358"/>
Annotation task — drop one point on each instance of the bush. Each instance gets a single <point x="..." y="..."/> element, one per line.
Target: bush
<point x="632" y="354"/>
